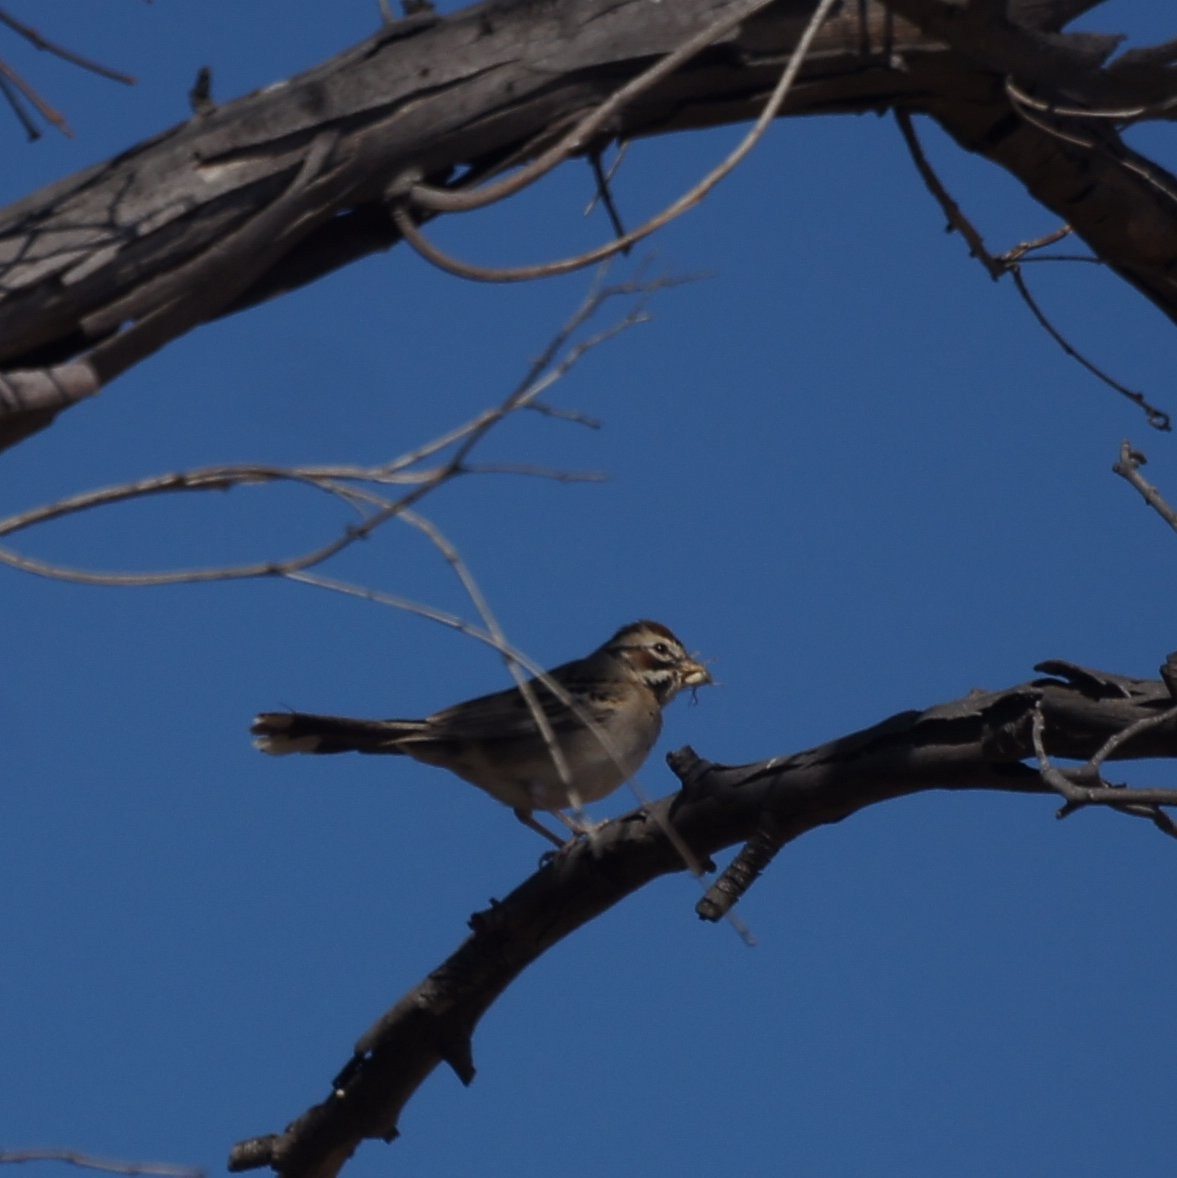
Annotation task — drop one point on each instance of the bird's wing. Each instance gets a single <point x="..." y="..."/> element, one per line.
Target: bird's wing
<point x="505" y="715"/>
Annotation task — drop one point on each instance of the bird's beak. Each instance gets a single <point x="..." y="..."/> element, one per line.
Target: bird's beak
<point x="696" y="675"/>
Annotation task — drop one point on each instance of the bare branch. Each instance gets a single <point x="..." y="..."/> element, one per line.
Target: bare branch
<point x="1157" y="418"/>
<point x="1121" y="115"/>
<point x="12" y="97"/>
<point x="87" y="1161"/>
<point x="38" y="41"/>
<point x="947" y="61"/>
<point x="1085" y="786"/>
<point x="976" y="743"/>
<point x="53" y="117"/>
<point x="1024" y="250"/>
<point x="1128" y="467"/>
<point x="604" y="193"/>
<point x="952" y="211"/>
<point x="440" y="200"/>
<point x="359" y="487"/>
<point x="698" y="193"/>
<point x="1009" y="263"/>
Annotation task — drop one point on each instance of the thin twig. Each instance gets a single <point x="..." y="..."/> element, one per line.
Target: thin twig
<point x="13" y="99"/>
<point x="1113" y="742"/>
<point x="1035" y="113"/>
<point x="1089" y="259"/>
<point x="614" y="168"/>
<point x="1155" y="417"/>
<point x="1128" y="467"/>
<point x="442" y="200"/>
<point x="35" y="39"/>
<point x="956" y="218"/>
<point x="1112" y="114"/>
<point x="494" y="629"/>
<point x="1019" y="252"/>
<point x="403" y="219"/>
<point x="87" y="1161"/>
<point x="54" y="117"/>
<point x="350" y="484"/>
<point x="1009" y="263"/>
<point x="573" y="415"/>
<point x="1075" y="788"/>
<point x="605" y="194"/>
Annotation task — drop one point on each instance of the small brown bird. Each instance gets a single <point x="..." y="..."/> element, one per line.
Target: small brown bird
<point x="493" y="742"/>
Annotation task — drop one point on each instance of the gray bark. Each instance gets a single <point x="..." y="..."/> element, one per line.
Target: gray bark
<point x="255" y="198"/>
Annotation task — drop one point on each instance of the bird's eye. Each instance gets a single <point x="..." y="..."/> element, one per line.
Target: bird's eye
<point x="662" y="649"/>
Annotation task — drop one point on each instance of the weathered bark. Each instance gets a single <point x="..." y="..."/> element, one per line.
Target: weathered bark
<point x="979" y="742"/>
<point x="270" y="192"/>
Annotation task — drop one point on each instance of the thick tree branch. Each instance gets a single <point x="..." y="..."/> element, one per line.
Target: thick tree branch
<point x="1075" y="163"/>
<point x="979" y="742"/>
<point x="447" y="103"/>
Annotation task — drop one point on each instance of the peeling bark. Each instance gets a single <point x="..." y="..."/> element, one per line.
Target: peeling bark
<point x="250" y="200"/>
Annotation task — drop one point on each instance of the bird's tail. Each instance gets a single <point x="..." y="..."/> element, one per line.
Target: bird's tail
<point x="279" y="733"/>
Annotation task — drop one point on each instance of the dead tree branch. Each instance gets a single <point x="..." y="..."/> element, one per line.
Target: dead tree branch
<point x="980" y="742"/>
<point x="85" y="1161"/>
<point x="1128" y="467"/>
<point x="38" y="41"/>
<point x="693" y="196"/>
<point x="13" y="86"/>
<point x="1010" y="262"/>
<point x="273" y="191"/>
<point x="367" y="491"/>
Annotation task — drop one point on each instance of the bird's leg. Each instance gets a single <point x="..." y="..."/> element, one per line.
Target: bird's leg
<point x="525" y="816"/>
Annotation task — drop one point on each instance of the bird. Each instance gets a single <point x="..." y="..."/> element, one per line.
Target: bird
<point x="617" y="695"/>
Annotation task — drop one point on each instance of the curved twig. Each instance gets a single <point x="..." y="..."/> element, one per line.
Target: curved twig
<point x="1157" y="418"/>
<point x="86" y="1161"/>
<point x="34" y="38"/>
<point x="443" y="200"/>
<point x="412" y="234"/>
<point x="345" y="482"/>
<point x="1010" y="263"/>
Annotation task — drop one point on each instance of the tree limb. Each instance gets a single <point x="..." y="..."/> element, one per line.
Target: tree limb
<point x="979" y="742"/>
<point x="447" y="103"/>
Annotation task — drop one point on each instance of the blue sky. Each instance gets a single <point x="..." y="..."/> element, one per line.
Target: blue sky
<point x="846" y="466"/>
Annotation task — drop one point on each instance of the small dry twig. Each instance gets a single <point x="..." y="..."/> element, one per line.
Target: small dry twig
<point x="13" y="86"/>
<point x="1085" y="786"/>
<point x="442" y="200"/>
<point x="1157" y="418"/>
<point x="87" y="1161"/>
<point x="998" y="265"/>
<point x="1128" y="467"/>
<point x="1048" y="117"/>
<point x="362" y="489"/>
<point x="604" y="195"/>
<point x="605" y="179"/>
<point x="38" y="41"/>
